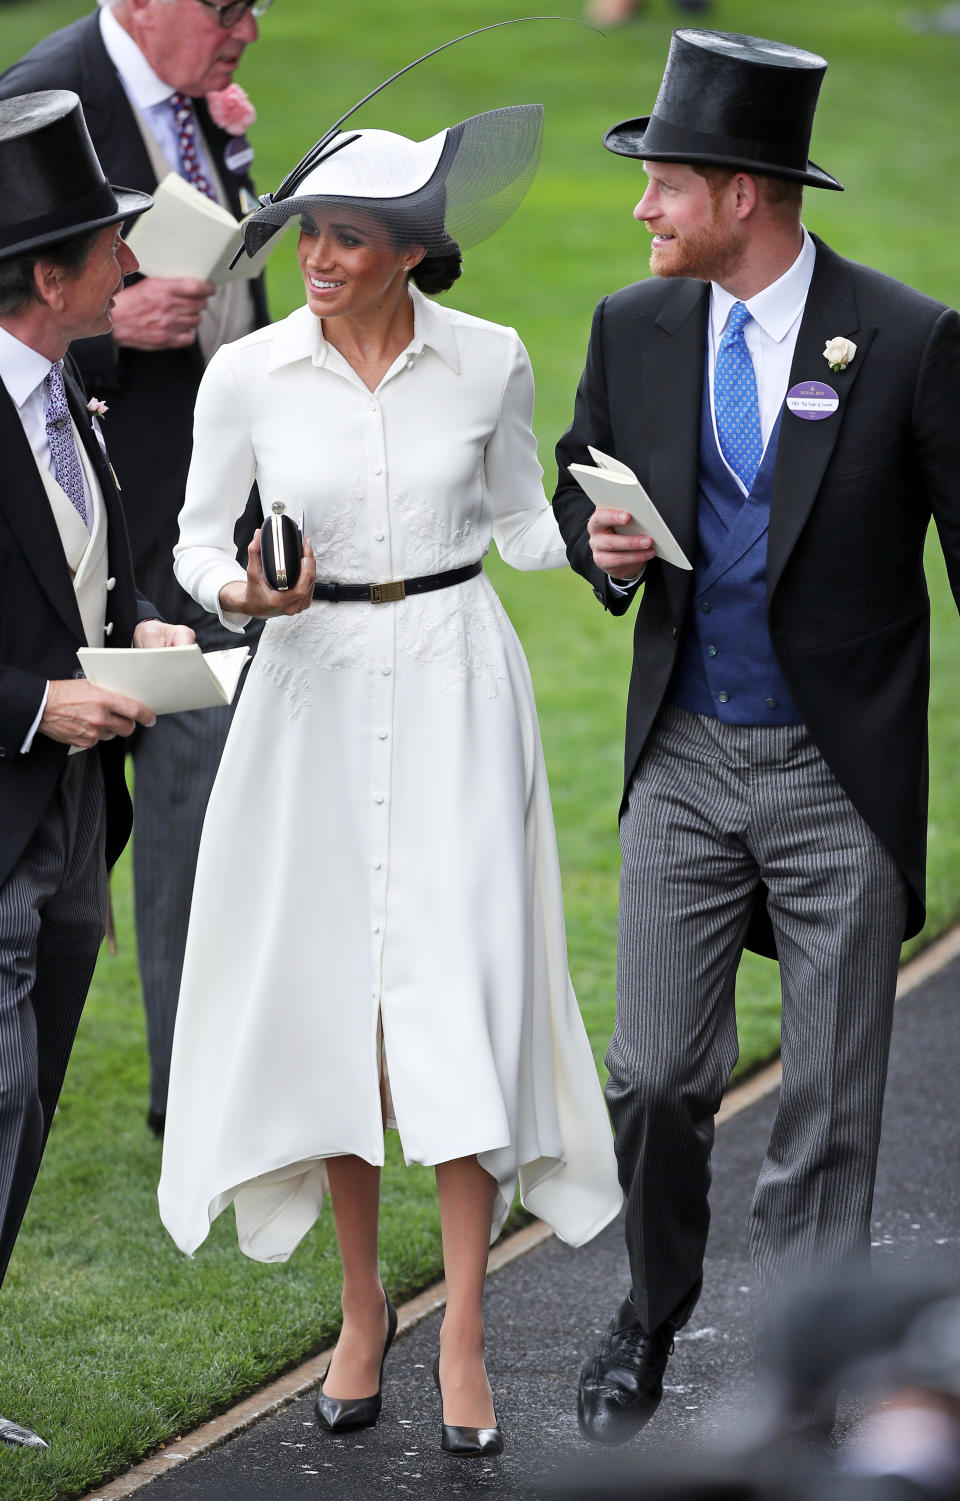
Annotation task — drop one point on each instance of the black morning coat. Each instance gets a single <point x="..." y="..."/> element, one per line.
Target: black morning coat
<point x="151" y="394"/>
<point x="40" y="630"/>
<point x="853" y="494"/>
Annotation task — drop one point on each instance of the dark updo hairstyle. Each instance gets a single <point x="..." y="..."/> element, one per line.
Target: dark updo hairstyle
<point x="438" y="272"/>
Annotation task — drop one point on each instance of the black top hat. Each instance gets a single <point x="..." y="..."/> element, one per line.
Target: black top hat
<point x="53" y="184"/>
<point x="731" y="101"/>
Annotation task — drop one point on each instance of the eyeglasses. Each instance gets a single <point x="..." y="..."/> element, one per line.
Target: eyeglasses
<point x="231" y="13"/>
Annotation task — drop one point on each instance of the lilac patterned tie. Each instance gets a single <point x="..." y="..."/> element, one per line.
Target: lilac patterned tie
<point x="63" y="448"/>
<point x="735" y="399"/>
<point x="186" y="123"/>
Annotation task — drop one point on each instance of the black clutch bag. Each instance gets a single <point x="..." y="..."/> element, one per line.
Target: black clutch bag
<point x="281" y="547"/>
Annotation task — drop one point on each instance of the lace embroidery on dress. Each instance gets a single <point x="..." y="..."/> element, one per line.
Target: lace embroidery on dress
<point x="459" y="629"/>
<point x="332" y="534"/>
<point x="327" y="636"/>
<point x="432" y="547"/>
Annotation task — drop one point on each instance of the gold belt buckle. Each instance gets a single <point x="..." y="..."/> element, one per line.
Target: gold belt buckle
<point x="383" y="594"/>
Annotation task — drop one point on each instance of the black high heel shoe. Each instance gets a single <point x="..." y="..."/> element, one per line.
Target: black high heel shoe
<point x="467" y="1443"/>
<point x="339" y="1414"/>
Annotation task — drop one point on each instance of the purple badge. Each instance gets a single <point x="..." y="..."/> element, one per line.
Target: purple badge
<point x="812" y="400"/>
<point x="238" y="155"/>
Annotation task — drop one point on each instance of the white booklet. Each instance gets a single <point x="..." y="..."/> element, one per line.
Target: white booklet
<point x="188" y="234"/>
<point x="168" y="679"/>
<point x="614" y="484"/>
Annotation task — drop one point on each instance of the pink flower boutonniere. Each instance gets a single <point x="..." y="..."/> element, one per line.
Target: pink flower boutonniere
<point x="97" y="407"/>
<point x="230" y="108"/>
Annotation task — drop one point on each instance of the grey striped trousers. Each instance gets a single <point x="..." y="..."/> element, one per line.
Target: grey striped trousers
<point x="716" y="812"/>
<point x="53" y="915"/>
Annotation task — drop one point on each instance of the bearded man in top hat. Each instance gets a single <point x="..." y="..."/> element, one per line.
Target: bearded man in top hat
<point x="66" y="581"/>
<point x="149" y="74"/>
<point x="793" y="418"/>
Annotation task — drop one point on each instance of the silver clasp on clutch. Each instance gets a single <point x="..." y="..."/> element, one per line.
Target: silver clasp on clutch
<point x="277" y="510"/>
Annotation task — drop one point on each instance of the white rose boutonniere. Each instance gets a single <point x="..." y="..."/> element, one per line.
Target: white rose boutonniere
<point x="97" y="407"/>
<point x="839" y="352"/>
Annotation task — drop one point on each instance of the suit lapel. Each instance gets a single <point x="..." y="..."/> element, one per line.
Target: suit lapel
<point x="27" y="509"/>
<point x="673" y="365"/>
<point x="109" y="116"/>
<point x="806" y="447"/>
<point x="101" y="464"/>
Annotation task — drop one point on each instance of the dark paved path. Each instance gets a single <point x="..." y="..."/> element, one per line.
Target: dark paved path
<point x="545" y="1310"/>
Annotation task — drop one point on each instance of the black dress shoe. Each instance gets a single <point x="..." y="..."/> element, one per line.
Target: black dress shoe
<point x="621" y="1386"/>
<point x="12" y="1433"/>
<point x="467" y="1443"/>
<point x="339" y="1414"/>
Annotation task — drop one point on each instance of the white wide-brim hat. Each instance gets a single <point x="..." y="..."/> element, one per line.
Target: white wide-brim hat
<point x="459" y="185"/>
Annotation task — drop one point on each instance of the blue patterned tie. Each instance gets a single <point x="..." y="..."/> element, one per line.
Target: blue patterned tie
<point x="735" y="400"/>
<point x="63" y="448"/>
<point x="186" y="123"/>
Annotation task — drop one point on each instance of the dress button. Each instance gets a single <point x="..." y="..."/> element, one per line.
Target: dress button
<point x="706" y="606"/>
<point x="382" y="734"/>
<point x="378" y="468"/>
<point x="771" y="703"/>
<point x="711" y="651"/>
<point x="376" y="927"/>
<point x="723" y="696"/>
<point x="378" y="797"/>
<point x="373" y="406"/>
<point x="377" y="864"/>
<point x="386" y="670"/>
<point x="378" y="536"/>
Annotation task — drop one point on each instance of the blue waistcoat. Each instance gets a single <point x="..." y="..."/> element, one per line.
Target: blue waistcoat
<point x="725" y="666"/>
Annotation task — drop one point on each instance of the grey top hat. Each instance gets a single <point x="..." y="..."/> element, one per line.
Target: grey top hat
<point x="53" y="184"/>
<point x="728" y="100"/>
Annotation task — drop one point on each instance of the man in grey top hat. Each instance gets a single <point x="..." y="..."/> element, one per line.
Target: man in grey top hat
<point x="793" y="417"/>
<point x="67" y="582"/>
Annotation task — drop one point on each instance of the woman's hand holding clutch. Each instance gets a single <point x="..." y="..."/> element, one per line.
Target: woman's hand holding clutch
<point x="255" y="597"/>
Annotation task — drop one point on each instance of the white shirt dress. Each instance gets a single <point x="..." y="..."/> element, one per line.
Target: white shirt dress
<point x="377" y="889"/>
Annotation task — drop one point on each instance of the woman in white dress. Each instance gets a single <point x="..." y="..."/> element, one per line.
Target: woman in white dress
<point x="377" y="930"/>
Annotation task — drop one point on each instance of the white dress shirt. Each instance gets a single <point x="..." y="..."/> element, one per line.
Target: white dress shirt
<point x="148" y="94"/>
<point x="23" y="371"/>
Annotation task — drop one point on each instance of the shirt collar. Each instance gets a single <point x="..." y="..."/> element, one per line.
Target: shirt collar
<point x="22" y="369"/>
<point x="143" y="86"/>
<point x="778" y="306"/>
<point x="300" y="336"/>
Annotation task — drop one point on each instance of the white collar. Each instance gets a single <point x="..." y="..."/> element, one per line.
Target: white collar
<point x="778" y="306"/>
<point x="22" y="369"/>
<point x="300" y="336"/>
<point x="138" y="78"/>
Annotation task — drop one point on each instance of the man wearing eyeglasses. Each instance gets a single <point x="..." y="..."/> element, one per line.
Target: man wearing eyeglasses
<point x="143" y="70"/>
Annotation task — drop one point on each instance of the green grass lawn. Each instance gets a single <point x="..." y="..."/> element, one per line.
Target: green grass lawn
<point x="111" y="1338"/>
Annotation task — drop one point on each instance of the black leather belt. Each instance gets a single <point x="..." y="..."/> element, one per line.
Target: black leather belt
<point x="382" y="594"/>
